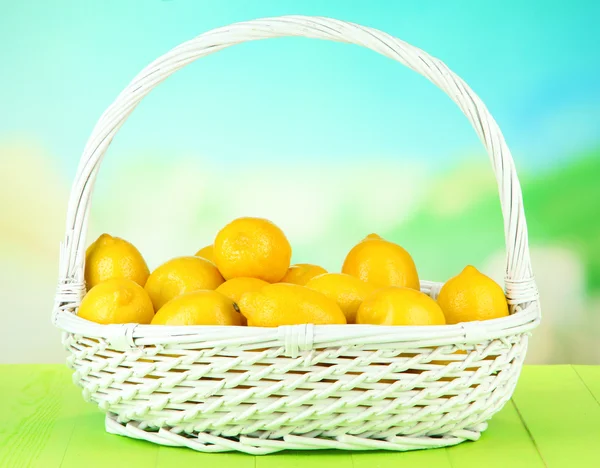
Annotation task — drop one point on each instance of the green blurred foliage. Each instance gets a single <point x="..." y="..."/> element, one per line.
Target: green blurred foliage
<point x="562" y="208"/>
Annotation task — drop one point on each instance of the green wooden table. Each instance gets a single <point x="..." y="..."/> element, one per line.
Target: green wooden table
<point x="553" y="420"/>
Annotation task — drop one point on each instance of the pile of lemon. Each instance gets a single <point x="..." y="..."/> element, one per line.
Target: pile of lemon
<point x="245" y="278"/>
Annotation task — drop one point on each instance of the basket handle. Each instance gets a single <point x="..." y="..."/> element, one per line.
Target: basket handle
<point x="519" y="283"/>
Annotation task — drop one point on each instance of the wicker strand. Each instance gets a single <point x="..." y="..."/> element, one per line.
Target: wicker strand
<point x="304" y="387"/>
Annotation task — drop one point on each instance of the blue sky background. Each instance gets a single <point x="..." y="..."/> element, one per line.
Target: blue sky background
<point x="329" y="141"/>
<point x="534" y="63"/>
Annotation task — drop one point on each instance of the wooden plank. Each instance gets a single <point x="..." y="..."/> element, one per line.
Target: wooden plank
<point x="415" y="459"/>
<point x="46" y="423"/>
<point x="590" y="375"/>
<point x="506" y="443"/>
<point x="91" y="443"/>
<point x="169" y="457"/>
<point x="312" y="459"/>
<point x="561" y="415"/>
<point x="34" y="408"/>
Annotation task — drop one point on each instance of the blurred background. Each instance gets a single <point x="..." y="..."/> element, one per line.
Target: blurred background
<point x="330" y="141"/>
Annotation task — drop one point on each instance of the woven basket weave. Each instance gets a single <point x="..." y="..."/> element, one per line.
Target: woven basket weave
<point x="258" y="390"/>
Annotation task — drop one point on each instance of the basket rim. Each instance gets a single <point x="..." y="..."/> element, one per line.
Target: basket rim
<point x="303" y="337"/>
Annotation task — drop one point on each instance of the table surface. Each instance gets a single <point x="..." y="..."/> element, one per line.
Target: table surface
<point x="552" y="420"/>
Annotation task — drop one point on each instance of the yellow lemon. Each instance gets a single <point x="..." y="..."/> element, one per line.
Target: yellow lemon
<point x="179" y="276"/>
<point x="206" y="252"/>
<point x="347" y="291"/>
<point x="382" y="263"/>
<point x="199" y="308"/>
<point x="117" y="300"/>
<point x="400" y="306"/>
<point x="301" y="273"/>
<point x="472" y="296"/>
<point x="252" y="247"/>
<point x="289" y="304"/>
<point x="236" y="287"/>
<point x="112" y="257"/>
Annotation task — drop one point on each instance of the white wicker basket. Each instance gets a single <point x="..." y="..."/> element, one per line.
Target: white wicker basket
<point x="260" y="390"/>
